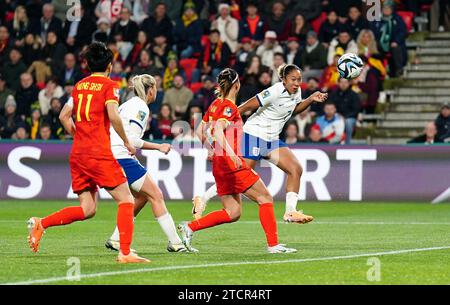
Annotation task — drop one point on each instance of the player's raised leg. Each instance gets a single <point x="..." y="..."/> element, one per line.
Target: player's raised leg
<point x="284" y="159"/>
<point x="259" y="193"/>
<point x="125" y="223"/>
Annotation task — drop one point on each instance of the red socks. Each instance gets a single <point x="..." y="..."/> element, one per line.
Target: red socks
<point x="269" y="223"/>
<point x="125" y="225"/>
<point x="63" y="217"/>
<point x="212" y="219"/>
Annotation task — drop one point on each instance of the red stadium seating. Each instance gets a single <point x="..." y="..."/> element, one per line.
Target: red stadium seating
<point x="188" y="65"/>
<point x="408" y="18"/>
<point x="316" y="23"/>
<point x="195" y="87"/>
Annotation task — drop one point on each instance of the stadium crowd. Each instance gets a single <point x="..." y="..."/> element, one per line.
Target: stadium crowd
<point x="185" y="44"/>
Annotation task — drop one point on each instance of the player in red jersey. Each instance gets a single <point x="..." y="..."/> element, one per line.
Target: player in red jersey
<point x="232" y="175"/>
<point x="92" y="164"/>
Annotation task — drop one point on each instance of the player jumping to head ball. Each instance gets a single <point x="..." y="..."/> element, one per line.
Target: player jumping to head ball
<point x="271" y="109"/>
<point x="232" y="175"/>
<point x="92" y="164"/>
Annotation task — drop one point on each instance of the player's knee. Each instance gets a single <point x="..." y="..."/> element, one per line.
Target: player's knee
<point x="234" y="213"/>
<point x="89" y="212"/>
<point x="295" y="170"/>
<point x="265" y="197"/>
<point x="156" y="197"/>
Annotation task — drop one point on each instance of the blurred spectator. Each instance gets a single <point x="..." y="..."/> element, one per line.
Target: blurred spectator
<point x="278" y="21"/>
<point x="111" y="9"/>
<point x="34" y="9"/>
<point x="51" y="90"/>
<point x="165" y="120"/>
<point x="140" y="44"/>
<point x="214" y="58"/>
<point x="60" y="7"/>
<point x="141" y="9"/>
<point x="205" y="96"/>
<point x="243" y="55"/>
<point x="316" y="109"/>
<point x="443" y="123"/>
<point x="329" y="29"/>
<point x="12" y="69"/>
<point x="331" y="124"/>
<point x="20" y="26"/>
<point x="171" y="71"/>
<point x="31" y="50"/>
<point x="124" y="29"/>
<point x="264" y="80"/>
<point x="103" y="30"/>
<point x="303" y="120"/>
<point x="367" y="45"/>
<point x="429" y="135"/>
<point x="178" y="97"/>
<point x="370" y="83"/>
<point x="278" y="61"/>
<point x="70" y="72"/>
<point x="10" y="120"/>
<point x="68" y="88"/>
<point x="290" y="135"/>
<point x="26" y="95"/>
<point x="145" y="64"/>
<point x="5" y="43"/>
<point x="356" y="21"/>
<point x="21" y="132"/>
<point x="391" y="34"/>
<point x="156" y="105"/>
<point x="252" y="26"/>
<point x="47" y="23"/>
<point x="52" y="119"/>
<point x="127" y="92"/>
<point x="188" y="31"/>
<point x="53" y="53"/>
<point x="160" y="51"/>
<point x="4" y="93"/>
<point x="152" y="131"/>
<point x="313" y="58"/>
<point x="343" y="42"/>
<point x="174" y="7"/>
<point x="330" y="75"/>
<point x="310" y="9"/>
<point x="253" y="70"/>
<point x="118" y="74"/>
<point x="79" y="32"/>
<point x="293" y="51"/>
<point x="45" y="132"/>
<point x="227" y="26"/>
<point x="342" y="7"/>
<point x="315" y="135"/>
<point x="300" y="28"/>
<point x="267" y="50"/>
<point x="348" y="105"/>
<point x="158" y="23"/>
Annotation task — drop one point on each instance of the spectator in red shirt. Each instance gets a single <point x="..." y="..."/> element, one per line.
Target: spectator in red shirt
<point x="165" y="120"/>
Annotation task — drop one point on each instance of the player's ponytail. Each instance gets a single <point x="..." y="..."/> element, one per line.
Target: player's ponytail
<point x="141" y="84"/>
<point x="226" y="79"/>
<point x="285" y="69"/>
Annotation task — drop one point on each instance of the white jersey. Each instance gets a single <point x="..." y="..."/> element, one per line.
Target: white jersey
<point x="277" y="106"/>
<point x="134" y="114"/>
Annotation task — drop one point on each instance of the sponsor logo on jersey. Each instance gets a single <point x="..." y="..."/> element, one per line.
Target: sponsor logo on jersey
<point x="266" y="94"/>
<point x="227" y="112"/>
<point x="141" y="115"/>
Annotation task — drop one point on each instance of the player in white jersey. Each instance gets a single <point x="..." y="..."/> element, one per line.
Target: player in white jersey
<point x="271" y="109"/>
<point x="134" y="114"/>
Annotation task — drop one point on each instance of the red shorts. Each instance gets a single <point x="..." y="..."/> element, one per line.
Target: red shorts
<point x="89" y="173"/>
<point x="235" y="182"/>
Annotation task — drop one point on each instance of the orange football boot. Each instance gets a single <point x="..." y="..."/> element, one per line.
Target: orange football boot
<point x="35" y="231"/>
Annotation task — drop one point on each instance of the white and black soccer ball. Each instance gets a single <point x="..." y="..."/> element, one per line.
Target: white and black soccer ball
<point x="349" y="66"/>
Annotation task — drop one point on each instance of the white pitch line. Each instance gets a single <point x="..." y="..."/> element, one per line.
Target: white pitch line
<point x="144" y="270"/>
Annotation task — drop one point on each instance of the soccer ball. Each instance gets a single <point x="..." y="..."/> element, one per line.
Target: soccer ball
<point x="349" y="66"/>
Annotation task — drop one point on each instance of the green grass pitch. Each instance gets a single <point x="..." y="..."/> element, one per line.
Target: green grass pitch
<point x="410" y="240"/>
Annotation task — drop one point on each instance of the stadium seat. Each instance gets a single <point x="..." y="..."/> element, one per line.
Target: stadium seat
<point x="195" y="87"/>
<point x="408" y="18"/>
<point x="316" y="23"/>
<point x="188" y="65"/>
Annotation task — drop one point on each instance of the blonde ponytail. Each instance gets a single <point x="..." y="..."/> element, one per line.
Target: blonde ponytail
<point x="141" y="84"/>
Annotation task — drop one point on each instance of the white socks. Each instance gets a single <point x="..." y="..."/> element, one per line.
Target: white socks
<point x="210" y="193"/>
<point x="168" y="227"/>
<point x="291" y="202"/>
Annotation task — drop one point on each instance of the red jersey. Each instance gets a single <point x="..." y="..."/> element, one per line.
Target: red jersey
<point x="90" y="97"/>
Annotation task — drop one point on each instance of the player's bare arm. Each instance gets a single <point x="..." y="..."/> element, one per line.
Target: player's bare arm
<point x="116" y="122"/>
<point x="219" y="128"/>
<point x="316" y="97"/>
<point x="249" y="106"/>
<point x="65" y="117"/>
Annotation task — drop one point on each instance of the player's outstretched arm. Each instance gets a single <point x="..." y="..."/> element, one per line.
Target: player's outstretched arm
<point x="116" y="122"/>
<point x="315" y="97"/>
<point x="251" y="105"/>
<point x="65" y="117"/>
